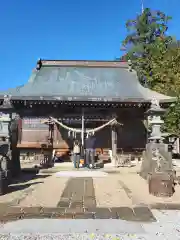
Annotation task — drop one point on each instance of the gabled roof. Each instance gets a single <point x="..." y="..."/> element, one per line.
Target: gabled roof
<point x="84" y="81"/>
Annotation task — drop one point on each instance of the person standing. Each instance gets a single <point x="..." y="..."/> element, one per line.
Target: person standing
<point x="76" y="154"/>
<point x="90" y="145"/>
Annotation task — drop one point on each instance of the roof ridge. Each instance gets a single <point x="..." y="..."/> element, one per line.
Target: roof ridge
<point x="82" y="63"/>
<point x="83" y="60"/>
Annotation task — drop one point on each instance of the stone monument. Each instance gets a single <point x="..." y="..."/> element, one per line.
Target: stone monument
<point x="8" y="141"/>
<point x="157" y="166"/>
<point x="5" y="145"/>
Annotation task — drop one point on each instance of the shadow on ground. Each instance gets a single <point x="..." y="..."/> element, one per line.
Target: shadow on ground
<point x="19" y="187"/>
<point x="23" y="180"/>
<point x="28" y="175"/>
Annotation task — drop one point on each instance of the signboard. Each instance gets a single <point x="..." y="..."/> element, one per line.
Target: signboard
<point x="34" y="123"/>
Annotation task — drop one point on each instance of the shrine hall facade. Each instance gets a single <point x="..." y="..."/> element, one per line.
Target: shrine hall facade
<point x="66" y="90"/>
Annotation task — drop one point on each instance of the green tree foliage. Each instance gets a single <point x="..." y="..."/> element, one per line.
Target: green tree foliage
<point x="172" y="118"/>
<point x="145" y="39"/>
<point x="166" y="77"/>
<point x="166" y="72"/>
<point x="156" y="58"/>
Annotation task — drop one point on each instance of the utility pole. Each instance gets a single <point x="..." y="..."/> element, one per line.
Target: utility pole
<point x="142" y="6"/>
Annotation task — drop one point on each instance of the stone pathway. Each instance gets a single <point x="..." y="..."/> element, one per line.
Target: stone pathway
<point x="46" y="194"/>
<point x="114" y="196"/>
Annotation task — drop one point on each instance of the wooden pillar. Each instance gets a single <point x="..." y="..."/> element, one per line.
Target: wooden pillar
<point x="82" y="128"/>
<point x="15" y="154"/>
<point x="114" y="144"/>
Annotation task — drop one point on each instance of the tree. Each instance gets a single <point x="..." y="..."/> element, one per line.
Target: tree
<point x="145" y="39"/>
<point x="156" y="58"/>
<point x="172" y="118"/>
<point x="166" y="72"/>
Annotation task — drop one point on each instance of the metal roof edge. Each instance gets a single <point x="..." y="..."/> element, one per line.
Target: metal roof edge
<point x="84" y="63"/>
<point x="88" y="99"/>
<point x="32" y="76"/>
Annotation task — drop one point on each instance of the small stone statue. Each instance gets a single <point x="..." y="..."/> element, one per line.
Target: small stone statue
<point x="7" y="102"/>
<point x="155" y="103"/>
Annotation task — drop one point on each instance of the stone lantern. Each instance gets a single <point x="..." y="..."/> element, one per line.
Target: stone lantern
<point x="5" y="146"/>
<point x="155" y="122"/>
<point x="157" y="166"/>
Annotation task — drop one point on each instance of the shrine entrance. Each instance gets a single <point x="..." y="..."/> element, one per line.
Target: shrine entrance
<point x="103" y="136"/>
<point x="79" y="129"/>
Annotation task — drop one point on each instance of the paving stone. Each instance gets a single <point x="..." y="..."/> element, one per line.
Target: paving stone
<point x="75" y="210"/>
<point x="54" y="210"/>
<point x="89" y="198"/>
<point x="14" y="210"/>
<point x="88" y="187"/>
<point x="76" y="204"/>
<point x="63" y="204"/>
<point x="31" y="210"/>
<point x="89" y="202"/>
<point x="65" y="199"/>
<point x="37" y="216"/>
<point x="124" y="213"/>
<point x="11" y="214"/>
<point x="11" y="217"/>
<point x="72" y="192"/>
<point x="84" y="216"/>
<point x="77" y="198"/>
<point x="143" y="214"/>
<point x="90" y="210"/>
<point x="79" y="193"/>
<point x="165" y="206"/>
<point x="67" y="193"/>
<point x="103" y="213"/>
<point x="66" y="216"/>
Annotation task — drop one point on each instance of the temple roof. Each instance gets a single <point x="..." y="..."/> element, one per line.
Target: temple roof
<point x="84" y="81"/>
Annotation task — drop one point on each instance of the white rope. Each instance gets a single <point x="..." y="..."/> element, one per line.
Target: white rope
<point x="112" y="121"/>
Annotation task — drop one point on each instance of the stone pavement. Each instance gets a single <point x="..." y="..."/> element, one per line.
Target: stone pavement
<point x="167" y="227"/>
<point x="117" y="195"/>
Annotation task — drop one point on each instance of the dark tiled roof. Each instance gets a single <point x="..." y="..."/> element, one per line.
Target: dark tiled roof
<point x="85" y="81"/>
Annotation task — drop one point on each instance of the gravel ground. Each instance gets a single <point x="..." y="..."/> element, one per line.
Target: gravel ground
<point x="167" y="227"/>
<point x="77" y="236"/>
<point x="73" y="237"/>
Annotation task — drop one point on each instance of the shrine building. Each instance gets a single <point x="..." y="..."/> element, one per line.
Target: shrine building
<point x="80" y="96"/>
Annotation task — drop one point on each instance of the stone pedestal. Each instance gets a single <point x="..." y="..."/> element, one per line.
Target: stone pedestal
<point x="157" y="169"/>
<point x="161" y="184"/>
<point x="156" y="158"/>
<point x="3" y="183"/>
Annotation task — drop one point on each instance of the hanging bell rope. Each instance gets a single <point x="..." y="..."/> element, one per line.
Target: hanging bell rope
<point x="111" y="122"/>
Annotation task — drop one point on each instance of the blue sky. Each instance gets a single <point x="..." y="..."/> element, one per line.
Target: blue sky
<point x="66" y="29"/>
